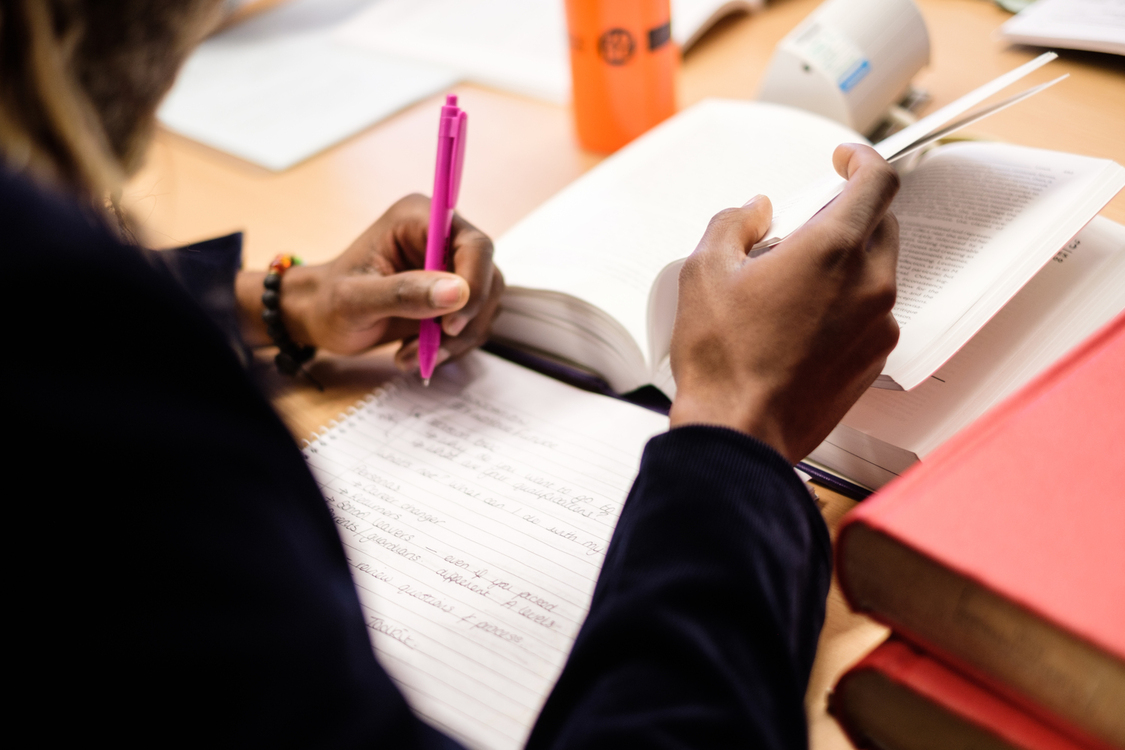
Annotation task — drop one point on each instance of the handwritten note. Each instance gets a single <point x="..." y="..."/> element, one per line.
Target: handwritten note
<point x="476" y="515"/>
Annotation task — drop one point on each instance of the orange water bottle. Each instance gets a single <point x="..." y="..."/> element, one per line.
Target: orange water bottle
<point x="623" y="64"/>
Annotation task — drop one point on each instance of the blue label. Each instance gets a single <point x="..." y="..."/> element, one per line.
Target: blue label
<point x="855" y="74"/>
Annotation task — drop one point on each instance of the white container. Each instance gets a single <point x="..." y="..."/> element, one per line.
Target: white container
<point x="850" y="60"/>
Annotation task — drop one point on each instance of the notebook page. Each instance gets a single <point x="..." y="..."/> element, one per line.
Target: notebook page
<point x="475" y="515"/>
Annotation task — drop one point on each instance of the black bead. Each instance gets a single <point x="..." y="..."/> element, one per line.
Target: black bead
<point x="290" y="356"/>
<point x="286" y="364"/>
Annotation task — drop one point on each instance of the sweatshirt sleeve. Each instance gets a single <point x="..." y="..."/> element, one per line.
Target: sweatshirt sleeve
<point x="207" y="270"/>
<point x="705" y="618"/>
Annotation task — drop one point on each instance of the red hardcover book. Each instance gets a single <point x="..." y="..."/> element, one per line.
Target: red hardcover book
<point x="1004" y="552"/>
<point x="902" y="699"/>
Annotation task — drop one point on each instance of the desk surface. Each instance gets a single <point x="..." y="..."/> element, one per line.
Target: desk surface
<point x="524" y="151"/>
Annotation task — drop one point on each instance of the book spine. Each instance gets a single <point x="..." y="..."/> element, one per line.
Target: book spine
<point x="960" y="696"/>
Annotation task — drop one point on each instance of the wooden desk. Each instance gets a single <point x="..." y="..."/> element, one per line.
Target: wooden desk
<point x="524" y="151"/>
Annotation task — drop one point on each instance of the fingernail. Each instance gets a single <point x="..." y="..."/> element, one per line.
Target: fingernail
<point x="446" y="293"/>
<point x="756" y="199"/>
<point x="456" y="324"/>
<point x="442" y="355"/>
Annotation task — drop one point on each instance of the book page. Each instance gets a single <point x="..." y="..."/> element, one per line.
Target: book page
<point x="276" y="89"/>
<point x="691" y="19"/>
<point x="977" y="220"/>
<point x="1079" y="290"/>
<point x="1097" y="25"/>
<point x="606" y="236"/>
<point x="476" y="515"/>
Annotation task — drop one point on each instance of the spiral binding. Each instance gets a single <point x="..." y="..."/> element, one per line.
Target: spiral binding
<point x="373" y="397"/>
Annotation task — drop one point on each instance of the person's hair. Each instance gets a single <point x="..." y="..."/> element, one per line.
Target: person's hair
<point x="80" y="81"/>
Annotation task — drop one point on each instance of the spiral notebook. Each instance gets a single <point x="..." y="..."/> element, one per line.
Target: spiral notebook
<point x="476" y="514"/>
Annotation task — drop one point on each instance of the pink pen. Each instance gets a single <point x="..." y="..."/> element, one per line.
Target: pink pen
<point x="447" y="182"/>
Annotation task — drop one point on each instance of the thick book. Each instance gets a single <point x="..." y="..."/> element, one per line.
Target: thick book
<point x="1096" y="25"/>
<point x="1004" y="553"/>
<point x="593" y="272"/>
<point x="1079" y="290"/>
<point x="900" y="698"/>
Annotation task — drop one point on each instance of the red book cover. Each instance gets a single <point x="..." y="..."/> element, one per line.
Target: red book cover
<point x="1027" y="503"/>
<point x="956" y="694"/>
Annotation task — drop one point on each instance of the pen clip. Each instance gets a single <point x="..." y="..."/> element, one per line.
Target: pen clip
<point x="460" y="125"/>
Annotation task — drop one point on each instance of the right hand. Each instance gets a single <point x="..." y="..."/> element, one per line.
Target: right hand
<point x="780" y="346"/>
<point x="377" y="290"/>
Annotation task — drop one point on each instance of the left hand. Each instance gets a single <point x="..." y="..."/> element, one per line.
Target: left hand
<point x="374" y="291"/>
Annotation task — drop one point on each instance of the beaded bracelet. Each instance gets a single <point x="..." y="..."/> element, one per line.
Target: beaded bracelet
<point x="291" y="357"/>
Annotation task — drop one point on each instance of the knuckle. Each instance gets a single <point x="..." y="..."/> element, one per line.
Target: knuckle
<point x="483" y="244"/>
<point x="341" y="298"/>
<point x="723" y="220"/>
<point x="474" y="246"/>
<point x="885" y="295"/>
<point x="886" y="180"/>
<point x="892" y="225"/>
<point x="853" y="232"/>
<point x="414" y="204"/>
<point x="403" y="292"/>
<point x="847" y="236"/>
<point x="890" y="334"/>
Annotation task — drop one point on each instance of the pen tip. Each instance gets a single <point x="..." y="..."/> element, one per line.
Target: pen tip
<point x="426" y="382"/>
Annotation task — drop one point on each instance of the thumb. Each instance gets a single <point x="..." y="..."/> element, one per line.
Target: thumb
<point x="410" y="294"/>
<point x="756" y="216"/>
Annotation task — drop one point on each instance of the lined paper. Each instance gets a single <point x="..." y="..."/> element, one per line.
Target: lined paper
<point x="475" y="514"/>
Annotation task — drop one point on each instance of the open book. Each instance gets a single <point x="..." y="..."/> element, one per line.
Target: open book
<point x="1079" y="290"/>
<point x="593" y="272"/>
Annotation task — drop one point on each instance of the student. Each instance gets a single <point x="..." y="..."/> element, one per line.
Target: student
<point x="185" y="583"/>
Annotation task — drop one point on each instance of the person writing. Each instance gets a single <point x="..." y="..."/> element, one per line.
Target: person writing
<point x="186" y="585"/>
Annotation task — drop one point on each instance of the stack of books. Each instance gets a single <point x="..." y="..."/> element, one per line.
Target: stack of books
<point x="1000" y="567"/>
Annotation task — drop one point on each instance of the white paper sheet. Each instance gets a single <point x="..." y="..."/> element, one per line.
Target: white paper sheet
<point x="476" y="515"/>
<point x="513" y="45"/>
<point x="278" y="89"/>
<point x="1097" y="25"/>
